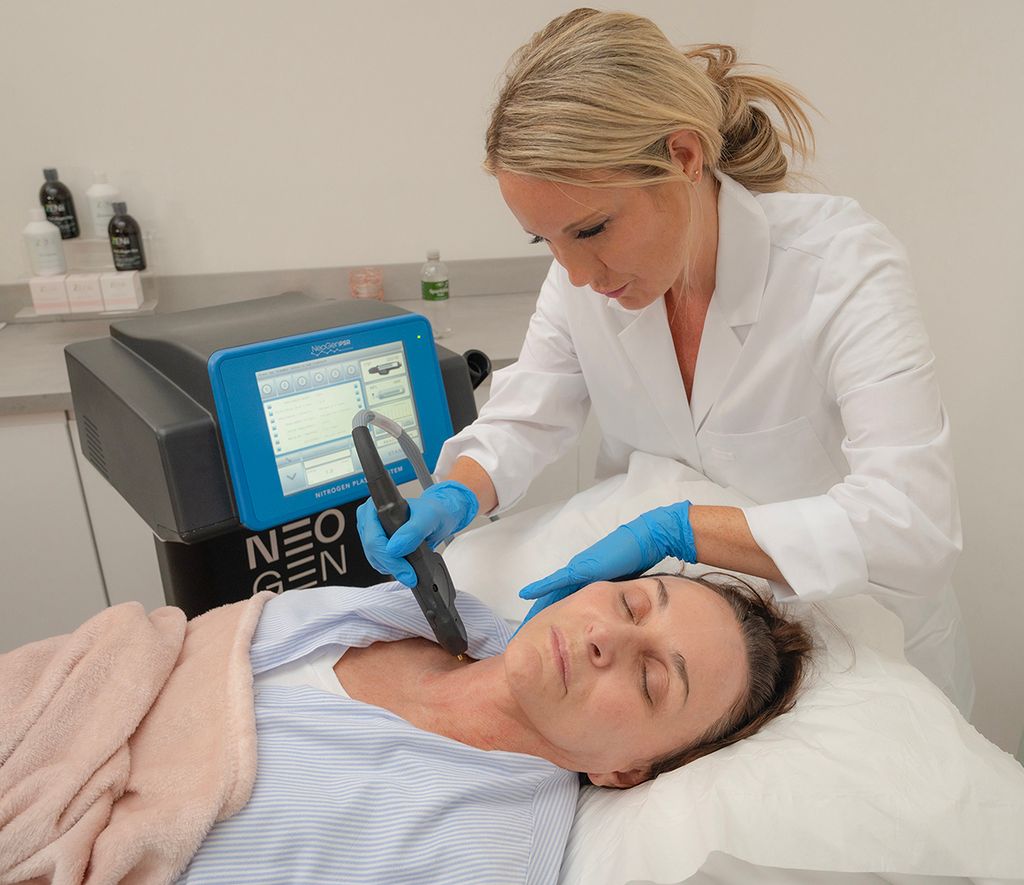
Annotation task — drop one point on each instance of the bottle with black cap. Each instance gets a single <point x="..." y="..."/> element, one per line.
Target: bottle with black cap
<point x="126" y="240"/>
<point x="59" y="205"/>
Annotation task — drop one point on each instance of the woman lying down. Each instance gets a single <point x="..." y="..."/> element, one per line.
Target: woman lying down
<point x="375" y="756"/>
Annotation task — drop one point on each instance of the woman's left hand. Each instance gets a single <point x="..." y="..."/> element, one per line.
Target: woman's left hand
<point x="631" y="549"/>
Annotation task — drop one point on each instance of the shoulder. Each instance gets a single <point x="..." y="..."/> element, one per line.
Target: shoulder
<point x="859" y="318"/>
<point x="558" y="295"/>
<point x="299" y="621"/>
<point x="826" y="227"/>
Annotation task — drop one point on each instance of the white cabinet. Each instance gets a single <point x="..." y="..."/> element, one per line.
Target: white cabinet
<point x="51" y="579"/>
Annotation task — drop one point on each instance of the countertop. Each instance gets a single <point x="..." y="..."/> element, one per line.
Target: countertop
<point x="34" y="379"/>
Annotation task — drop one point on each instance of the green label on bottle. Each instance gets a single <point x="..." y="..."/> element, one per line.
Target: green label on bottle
<point x="434" y="291"/>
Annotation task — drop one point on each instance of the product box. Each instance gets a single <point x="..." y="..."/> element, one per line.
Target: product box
<point x="84" y="293"/>
<point x="122" y="290"/>
<point x="49" y="294"/>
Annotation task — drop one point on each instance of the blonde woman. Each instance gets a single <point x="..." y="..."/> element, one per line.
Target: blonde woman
<point x="706" y="312"/>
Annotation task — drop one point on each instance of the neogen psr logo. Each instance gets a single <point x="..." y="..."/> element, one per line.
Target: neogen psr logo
<point x="329" y="348"/>
<point x="297" y="555"/>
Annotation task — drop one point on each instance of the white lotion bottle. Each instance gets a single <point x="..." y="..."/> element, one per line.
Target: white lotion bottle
<point x="45" y="249"/>
<point x="100" y="198"/>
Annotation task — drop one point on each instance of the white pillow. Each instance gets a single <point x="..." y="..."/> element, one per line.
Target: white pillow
<point x="874" y="770"/>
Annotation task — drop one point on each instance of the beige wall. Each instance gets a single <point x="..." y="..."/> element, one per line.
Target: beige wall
<point x="254" y="136"/>
<point x="269" y="135"/>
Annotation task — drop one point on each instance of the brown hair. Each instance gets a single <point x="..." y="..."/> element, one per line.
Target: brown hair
<point x="601" y="91"/>
<point x="778" y="649"/>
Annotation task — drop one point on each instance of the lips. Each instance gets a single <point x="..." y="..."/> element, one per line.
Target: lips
<point x="615" y="293"/>
<point x="561" y="655"/>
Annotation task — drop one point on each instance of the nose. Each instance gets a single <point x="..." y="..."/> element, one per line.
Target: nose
<point x="582" y="265"/>
<point x="606" y="642"/>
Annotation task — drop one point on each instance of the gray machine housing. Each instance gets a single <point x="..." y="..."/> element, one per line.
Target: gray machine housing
<point x="145" y="409"/>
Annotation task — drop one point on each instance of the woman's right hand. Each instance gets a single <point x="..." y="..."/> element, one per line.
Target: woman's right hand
<point x="436" y="515"/>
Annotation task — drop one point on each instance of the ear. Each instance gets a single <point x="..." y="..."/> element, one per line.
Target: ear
<point x="685" y="150"/>
<point x="619" y="780"/>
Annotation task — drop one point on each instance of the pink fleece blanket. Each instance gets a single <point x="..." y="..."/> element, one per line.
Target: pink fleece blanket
<point x="121" y="744"/>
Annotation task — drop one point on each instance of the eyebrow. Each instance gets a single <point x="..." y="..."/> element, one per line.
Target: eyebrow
<point x="578" y="225"/>
<point x="678" y="661"/>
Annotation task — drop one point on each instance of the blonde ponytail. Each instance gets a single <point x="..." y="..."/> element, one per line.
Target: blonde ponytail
<point x="598" y="92"/>
<point x="753" y="148"/>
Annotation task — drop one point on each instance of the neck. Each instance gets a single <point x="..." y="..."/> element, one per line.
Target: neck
<point x="698" y="285"/>
<point x="473" y="704"/>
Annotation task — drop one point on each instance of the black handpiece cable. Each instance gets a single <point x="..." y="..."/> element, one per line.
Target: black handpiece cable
<point x="433" y="591"/>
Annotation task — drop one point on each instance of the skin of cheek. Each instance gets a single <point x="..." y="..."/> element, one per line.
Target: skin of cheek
<point x="603" y="724"/>
<point x="595" y="732"/>
<point x="647" y="245"/>
<point x="666" y="243"/>
<point x="644" y="244"/>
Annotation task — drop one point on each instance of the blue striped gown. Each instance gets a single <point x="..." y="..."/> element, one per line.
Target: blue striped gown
<point x="347" y="792"/>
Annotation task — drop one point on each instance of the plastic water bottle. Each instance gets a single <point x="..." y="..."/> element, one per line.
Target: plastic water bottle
<point x="434" y="289"/>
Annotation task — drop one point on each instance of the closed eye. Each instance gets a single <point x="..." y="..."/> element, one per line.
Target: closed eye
<point x="580" y="235"/>
<point x="625" y="606"/>
<point x="643" y="673"/>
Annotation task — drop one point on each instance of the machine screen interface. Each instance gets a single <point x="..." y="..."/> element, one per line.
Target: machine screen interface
<point x="309" y="406"/>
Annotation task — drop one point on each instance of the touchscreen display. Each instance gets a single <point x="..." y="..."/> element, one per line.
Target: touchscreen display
<point x="309" y="407"/>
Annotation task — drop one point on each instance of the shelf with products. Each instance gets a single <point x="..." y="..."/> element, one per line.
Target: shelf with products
<point x="30" y="315"/>
<point x="86" y="256"/>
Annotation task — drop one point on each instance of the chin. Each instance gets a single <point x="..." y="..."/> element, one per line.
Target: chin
<point x="637" y="301"/>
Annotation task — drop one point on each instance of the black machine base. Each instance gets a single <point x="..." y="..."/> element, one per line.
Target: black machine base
<point x="320" y="550"/>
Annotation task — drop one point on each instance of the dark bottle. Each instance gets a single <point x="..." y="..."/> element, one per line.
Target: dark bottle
<point x="58" y="205"/>
<point x="126" y="240"/>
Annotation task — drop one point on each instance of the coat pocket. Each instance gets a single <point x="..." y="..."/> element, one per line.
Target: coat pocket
<point x="776" y="464"/>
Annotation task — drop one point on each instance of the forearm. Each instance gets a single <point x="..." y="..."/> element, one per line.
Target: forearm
<point x="476" y="479"/>
<point x="723" y="540"/>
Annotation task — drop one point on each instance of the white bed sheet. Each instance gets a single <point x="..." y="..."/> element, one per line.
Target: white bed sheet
<point x="722" y="869"/>
<point x="874" y="775"/>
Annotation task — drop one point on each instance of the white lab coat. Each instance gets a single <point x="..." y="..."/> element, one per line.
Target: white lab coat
<point x="814" y="395"/>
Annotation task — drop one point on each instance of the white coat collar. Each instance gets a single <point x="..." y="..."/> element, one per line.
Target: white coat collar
<point x="741" y="270"/>
<point x="648" y="346"/>
<point x="744" y="249"/>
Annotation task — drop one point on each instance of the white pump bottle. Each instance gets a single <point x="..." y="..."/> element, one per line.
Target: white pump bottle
<point x="101" y="197"/>
<point x="45" y="249"/>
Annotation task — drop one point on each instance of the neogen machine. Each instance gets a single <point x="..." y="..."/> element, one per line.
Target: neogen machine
<point x="244" y="435"/>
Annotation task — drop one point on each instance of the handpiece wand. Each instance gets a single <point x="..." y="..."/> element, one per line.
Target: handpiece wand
<point x="433" y="591"/>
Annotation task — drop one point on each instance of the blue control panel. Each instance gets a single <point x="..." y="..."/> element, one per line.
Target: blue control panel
<point x="285" y="410"/>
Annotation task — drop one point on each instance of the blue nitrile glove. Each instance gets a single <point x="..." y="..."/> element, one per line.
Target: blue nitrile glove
<point x="437" y="514"/>
<point x="630" y="550"/>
